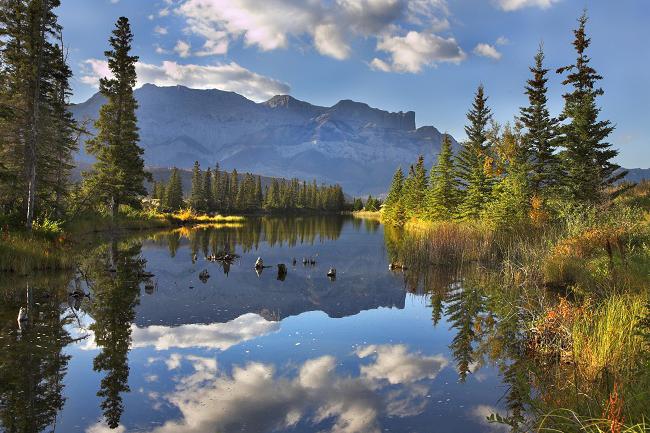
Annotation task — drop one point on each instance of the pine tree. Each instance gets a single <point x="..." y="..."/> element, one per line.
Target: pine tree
<point x="443" y="193"/>
<point x="393" y="211"/>
<point x="207" y="191"/>
<point x="540" y="138"/>
<point x="118" y="175"/>
<point x="259" y="198"/>
<point x="511" y="195"/>
<point x="36" y="127"/>
<point x="173" y="199"/>
<point x="197" y="194"/>
<point x="473" y="162"/>
<point x="587" y="157"/>
<point x="415" y="190"/>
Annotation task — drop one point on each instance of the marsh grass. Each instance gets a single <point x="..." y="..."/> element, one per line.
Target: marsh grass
<point x="22" y="252"/>
<point x="566" y="420"/>
<point x="605" y="338"/>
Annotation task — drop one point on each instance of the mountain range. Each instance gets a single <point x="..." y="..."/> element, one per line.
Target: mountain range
<point x="349" y="143"/>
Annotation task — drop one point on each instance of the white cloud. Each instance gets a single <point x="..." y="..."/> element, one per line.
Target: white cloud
<point x="487" y="50"/>
<point x="210" y="400"/>
<point x="502" y="40"/>
<point x="330" y="25"/>
<point x="513" y="5"/>
<point x="481" y="412"/>
<point x="416" y="50"/>
<point x="227" y="76"/>
<point x="183" y="48"/>
<point x="396" y="365"/>
<point x="211" y="336"/>
<point x="101" y="427"/>
<point x="160" y="30"/>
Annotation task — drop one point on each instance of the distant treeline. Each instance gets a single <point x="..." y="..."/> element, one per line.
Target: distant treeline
<point x="217" y="191"/>
<point x="529" y="172"/>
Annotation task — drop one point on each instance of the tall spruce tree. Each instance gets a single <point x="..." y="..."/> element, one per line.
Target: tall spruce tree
<point x="393" y="211"/>
<point x="473" y="161"/>
<point x="118" y="175"/>
<point x="197" y="192"/>
<point x="415" y="189"/>
<point x="173" y="198"/>
<point x="35" y="124"/>
<point x="207" y="191"/>
<point x="587" y="157"/>
<point x="540" y="137"/>
<point x="443" y="192"/>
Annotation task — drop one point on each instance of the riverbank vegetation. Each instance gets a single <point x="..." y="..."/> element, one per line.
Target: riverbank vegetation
<point x="536" y="218"/>
<point x="217" y="191"/>
<point x="43" y="215"/>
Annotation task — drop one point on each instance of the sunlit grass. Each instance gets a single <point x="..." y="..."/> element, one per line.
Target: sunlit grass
<point x="22" y="252"/>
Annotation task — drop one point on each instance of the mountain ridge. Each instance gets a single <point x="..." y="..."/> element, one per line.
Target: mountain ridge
<point x="349" y="143"/>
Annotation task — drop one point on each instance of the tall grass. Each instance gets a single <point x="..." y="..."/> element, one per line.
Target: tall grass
<point x="22" y="253"/>
<point x="566" y="421"/>
<point x="605" y="338"/>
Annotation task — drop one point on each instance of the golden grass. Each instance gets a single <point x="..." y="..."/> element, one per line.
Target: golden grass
<point x="605" y="338"/>
<point x="22" y="253"/>
<point x="367" y="214"/>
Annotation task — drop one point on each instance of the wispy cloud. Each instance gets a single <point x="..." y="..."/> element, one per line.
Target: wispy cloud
<point x="226" y="76"/>
<point x="414" y="51"/>
<point x="487" y="50"/>
<point x="513" y="5"/>
<point x="330" y="27"/>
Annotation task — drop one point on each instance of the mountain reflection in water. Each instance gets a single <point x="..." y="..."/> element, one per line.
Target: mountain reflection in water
<point x="154" y="348"/>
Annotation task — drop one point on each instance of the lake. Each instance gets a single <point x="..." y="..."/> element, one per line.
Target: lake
<point x="155" y="348"/>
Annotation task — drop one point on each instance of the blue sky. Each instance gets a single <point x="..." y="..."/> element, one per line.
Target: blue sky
<point x="422" y="55"/>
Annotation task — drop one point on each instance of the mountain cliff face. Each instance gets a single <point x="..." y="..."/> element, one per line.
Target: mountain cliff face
<point x="349" y="143"/>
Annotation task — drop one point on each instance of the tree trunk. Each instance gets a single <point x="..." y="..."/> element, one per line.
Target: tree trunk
<point x="115" y="206"/>
<point x="34" y="118"/>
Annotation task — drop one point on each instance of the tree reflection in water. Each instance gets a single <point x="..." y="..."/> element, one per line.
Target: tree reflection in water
<point x="32" y="362"/>
<point x="115" y="272"/>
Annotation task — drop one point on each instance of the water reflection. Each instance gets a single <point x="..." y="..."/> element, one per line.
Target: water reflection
<point x="257" y="397"/>
<point x="114" y="273"/>
<point x="33" y="364"/>
<point x="165" y="352"/>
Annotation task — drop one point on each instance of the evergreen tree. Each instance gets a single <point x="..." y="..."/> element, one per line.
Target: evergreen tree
<point x="357" y="205"/>
<point x="118" y="175"/>
<point x="540" y="138"/>
<point x="393" y="210"/>
<point x="259" y="198"/>
<point x="197" y="193"/>
<point x="35" y="125"/>
<point x="443" y="193"/>
<point x="173" y="199"/>
<point x="415" y="190"/>
<point x="511" y="195"/>
<point x="587" y="157"/>
<point x="207" y="191"/>
<point x="473" y="162"/>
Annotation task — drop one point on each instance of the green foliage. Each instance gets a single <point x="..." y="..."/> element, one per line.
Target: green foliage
<point x="586" y="157"/>
<point x="173" y="194"/>
<point x="473" y="161"/>
<point x="414" y="191"/>
<point x="47" y="228"/>
<point x="36" y="129"/>
<point x="118" y="175"/>
<point x="443" y="193"/>
<point x="372" y="204"/>
<point x="393" y="211"/>
<point x="540" y="138"/>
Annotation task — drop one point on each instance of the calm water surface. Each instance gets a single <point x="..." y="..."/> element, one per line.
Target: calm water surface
<point x="153" y="348"/>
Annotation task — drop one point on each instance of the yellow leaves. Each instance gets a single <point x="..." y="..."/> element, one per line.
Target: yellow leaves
<point x="537" y="214"/>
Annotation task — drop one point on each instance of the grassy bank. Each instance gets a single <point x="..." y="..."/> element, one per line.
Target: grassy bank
<point x="569" y="299"/>
<point x="53" y="245"/>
